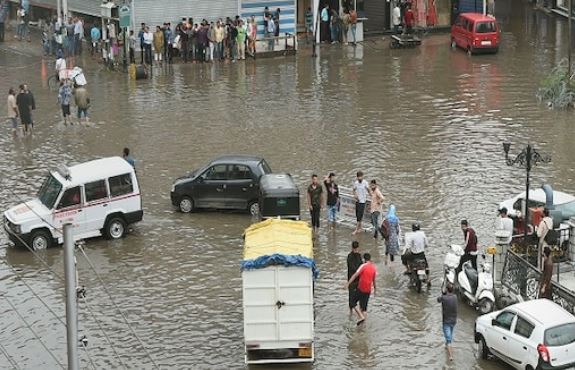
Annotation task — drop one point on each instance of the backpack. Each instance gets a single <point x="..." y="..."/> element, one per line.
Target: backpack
<point x="384" y="229"/>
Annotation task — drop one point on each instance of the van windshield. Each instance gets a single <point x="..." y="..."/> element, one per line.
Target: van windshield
<point x="485" y="27"/>
<point x="560" y="335"/>
<point x="49" y="191"/>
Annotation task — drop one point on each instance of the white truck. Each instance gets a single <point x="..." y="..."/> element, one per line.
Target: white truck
<point x="278" y="279"/>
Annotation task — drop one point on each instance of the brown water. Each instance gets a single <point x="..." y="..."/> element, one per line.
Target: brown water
<point x="428" y="123"/>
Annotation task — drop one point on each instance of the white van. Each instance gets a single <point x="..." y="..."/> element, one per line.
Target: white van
<point x="100" y="197"/>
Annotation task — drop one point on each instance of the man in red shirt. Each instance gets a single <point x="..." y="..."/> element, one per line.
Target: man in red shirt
<point x="470" y="246"/>
<point x="366" y="274"/>
<point x="409" y="19"/>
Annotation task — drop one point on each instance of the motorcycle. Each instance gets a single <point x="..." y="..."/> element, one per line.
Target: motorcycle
<point x="475" y="286"/>
<point x="418" y="275"/>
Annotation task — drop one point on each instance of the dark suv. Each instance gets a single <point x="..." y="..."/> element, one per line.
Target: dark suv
<point x="228" y="182"/>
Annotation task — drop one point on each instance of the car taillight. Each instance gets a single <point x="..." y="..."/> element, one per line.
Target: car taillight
<point x="543" y="352"/>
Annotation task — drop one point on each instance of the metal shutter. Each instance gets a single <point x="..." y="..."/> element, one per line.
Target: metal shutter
<point x="375" y="12"/>
<point x="156" y="12"/>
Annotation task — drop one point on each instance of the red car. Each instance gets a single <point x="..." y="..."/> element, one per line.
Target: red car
<point x="475" y="33"/>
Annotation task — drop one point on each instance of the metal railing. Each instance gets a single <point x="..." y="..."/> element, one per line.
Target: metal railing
<point x="522" y="279"/>
<point x="269" y="43"/>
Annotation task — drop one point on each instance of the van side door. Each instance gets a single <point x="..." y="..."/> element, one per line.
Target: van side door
<point x="95" y="207"/>
<point x="69" y="210"/>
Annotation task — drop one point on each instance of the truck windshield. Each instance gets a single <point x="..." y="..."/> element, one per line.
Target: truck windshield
<point x="49" y="191"/>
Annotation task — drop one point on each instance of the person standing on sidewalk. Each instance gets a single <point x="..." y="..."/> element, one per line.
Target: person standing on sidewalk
<point x="141" y="38"/>
<point x="158" y="41"/>
<point x="365" y="275"/>
<point x="12" y="109"/>
<point x="314" y="201"/>
<point x="132" y="47"/>
<point x="324" y="30"/>
<point x="449" y="308"/>
<point x="354" y="260"/>
<point x="360" y="193"/>
<point x="148" y="40"/>
<point x="241" y="41"/>
<point x="377" y="200"/>
<point x="332" y="199"/>
<point x="545" y="285"/>
<point x="78" y="36"/>
<point x="95" y="36"/>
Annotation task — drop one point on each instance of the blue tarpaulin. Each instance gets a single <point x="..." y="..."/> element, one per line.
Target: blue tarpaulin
<point x="283" y="260"/>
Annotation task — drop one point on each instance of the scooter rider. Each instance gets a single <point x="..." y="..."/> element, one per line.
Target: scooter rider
<point x="415" y="244"/>
<point x="470" y="246"/>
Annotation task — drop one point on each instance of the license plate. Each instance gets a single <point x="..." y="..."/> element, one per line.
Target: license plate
<point x="420" y="272"/>
<point x="486" y="42"/>
<point x="304" y="352"/>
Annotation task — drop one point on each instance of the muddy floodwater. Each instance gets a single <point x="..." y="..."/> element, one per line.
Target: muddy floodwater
<point x="427" y="123"/>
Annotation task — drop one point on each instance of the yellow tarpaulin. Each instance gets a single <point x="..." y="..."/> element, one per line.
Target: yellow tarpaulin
<point x="274" y="236"/>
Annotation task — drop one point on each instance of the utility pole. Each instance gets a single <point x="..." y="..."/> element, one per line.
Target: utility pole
<point x="71" y="299"/>
<point x="65" y="10"/>
<point x="59" y="10"/>
<point x="570" y="28"/>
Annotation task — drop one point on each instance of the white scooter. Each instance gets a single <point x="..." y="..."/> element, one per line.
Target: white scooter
<point x="475" y="286"/>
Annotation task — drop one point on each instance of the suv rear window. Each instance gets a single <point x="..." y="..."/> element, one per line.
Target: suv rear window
<point x="485" y="27"/>
<point x="560" y="335"/>
<point x="120" y="185"/>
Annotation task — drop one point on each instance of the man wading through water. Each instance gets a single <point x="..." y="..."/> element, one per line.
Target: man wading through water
<point x="353" y="262"/>
<point x="332" y="200"/>
<point x="365" y="274"/>
<point x="314" y="201"/>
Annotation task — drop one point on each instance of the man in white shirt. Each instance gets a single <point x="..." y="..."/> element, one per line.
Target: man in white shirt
<point x="360" y="193"/>
<point x="504" y="225"/>
<point x="396" y="18"/>
<point x="415" y="244"/>
<point x="148" y="39"/>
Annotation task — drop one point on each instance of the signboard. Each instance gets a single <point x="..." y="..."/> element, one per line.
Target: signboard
<point x="124" y="12"/>
<point x="346" y="215"/>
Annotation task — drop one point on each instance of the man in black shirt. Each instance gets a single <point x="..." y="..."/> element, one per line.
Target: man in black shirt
<point x="314" y="201"/>
<point x="332" y="199"/>
<point x="25" y="103"/>
<point x="353" y="262"/>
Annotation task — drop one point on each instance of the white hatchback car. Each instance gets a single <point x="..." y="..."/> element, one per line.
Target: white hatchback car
<point x="532" y="335"/>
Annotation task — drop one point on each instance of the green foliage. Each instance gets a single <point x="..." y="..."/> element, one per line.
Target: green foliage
<point x="558" y="89"/>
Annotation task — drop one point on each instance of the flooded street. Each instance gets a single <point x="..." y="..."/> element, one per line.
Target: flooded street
<point x="427" y="123"/>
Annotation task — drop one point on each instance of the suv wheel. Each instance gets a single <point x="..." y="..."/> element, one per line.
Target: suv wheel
<point x="186" y="205"/>
<point x="115" y="228"/>
<point x="40" y="240"/>
<point x="254" y="208"/>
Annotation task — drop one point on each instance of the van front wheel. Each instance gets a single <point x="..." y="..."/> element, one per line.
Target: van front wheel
<point x="41" y="239"/>
<point x="115" y="228"/>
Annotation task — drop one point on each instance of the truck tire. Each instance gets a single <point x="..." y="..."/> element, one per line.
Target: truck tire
<point x="41" y="239"/>
<point x="115" y="228"/>
<point x="186" y="204"/>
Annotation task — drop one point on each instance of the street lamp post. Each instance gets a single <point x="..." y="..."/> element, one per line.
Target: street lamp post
<point x="528" y="158"/>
